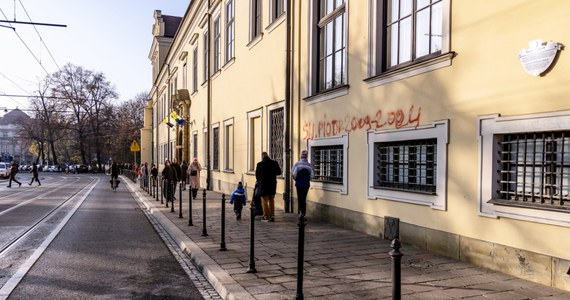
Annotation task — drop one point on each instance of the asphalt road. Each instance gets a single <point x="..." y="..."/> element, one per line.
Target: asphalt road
<point x="107" y="250"/>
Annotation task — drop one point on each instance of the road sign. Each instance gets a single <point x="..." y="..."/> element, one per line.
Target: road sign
<point x="135" y="146"/>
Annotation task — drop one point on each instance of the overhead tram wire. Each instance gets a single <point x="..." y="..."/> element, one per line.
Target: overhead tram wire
<point x="41" y="39"/>
<point x="27" y="47"/>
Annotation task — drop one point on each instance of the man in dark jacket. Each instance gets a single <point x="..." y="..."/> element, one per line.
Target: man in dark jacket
<point x="170" y="178"/>
<point x="13" y="172"/>
<point x="266" y="173"/>
<point x="174" y="165"/>
<point x="34" y="172"/>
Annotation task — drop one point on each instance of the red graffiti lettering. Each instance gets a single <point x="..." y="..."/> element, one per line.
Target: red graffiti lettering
<point x="397" y="119"/>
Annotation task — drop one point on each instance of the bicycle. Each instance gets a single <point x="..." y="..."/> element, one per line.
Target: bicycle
<point x="114" y="183"/>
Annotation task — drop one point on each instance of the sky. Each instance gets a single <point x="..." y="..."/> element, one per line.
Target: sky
<point x="112" y="37"/>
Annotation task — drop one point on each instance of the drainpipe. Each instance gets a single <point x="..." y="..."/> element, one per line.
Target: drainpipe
<point x="288" y="109"/>
<point x="209" y="102"/>
<point x="169" y="108"/>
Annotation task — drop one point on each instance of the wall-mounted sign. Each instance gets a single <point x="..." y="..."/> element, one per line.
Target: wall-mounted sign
<point x="539" y="56"/>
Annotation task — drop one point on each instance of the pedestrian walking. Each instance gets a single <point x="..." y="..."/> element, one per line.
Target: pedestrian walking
<point x="174" y="165"/>
<point x="34" y="172"/>
<point x="266" y="173"/>
<point x="184" y="174"/>
<point x="13" y="172"/>
<point x="238" y="199"/>
<point x="154" y="174"/>
<point x="194" y="176"/>
<point x="302" y="172"/>
<point x="114" y="170"/>
<point x="170" y="179"/>
<point x="144" y="173"/>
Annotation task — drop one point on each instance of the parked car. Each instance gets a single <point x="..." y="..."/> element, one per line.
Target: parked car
<point x="82" y="169"/>
<point x="4" y="170"/>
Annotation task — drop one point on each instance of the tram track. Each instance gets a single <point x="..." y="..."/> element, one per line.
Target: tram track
<point x="5" y="248"/>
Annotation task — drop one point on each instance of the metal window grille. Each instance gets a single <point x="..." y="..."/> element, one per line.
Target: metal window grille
<point x="277" y="126"/>
<point x="406" y="165"/>
<point x="534" y="170"/>
<point x="216" y="149"/>
<point x="328" y="162"/>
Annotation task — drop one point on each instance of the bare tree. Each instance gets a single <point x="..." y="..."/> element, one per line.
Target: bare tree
<point x="87" y="95"/>
<point x="127" y="121"/>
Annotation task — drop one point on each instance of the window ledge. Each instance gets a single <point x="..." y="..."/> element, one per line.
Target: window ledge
<point x="275" y="22"/>
<point x="528" y="204"/>
<point x="328" y="94"/>
<point x="229" y="63"/>
<point x="429" y="65"/>
<point x="255" y="40"/>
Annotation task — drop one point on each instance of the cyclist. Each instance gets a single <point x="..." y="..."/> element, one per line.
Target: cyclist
<point x="114" y="175"/>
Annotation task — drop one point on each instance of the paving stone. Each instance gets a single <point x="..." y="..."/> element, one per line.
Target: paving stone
<point x="339" y="263"/>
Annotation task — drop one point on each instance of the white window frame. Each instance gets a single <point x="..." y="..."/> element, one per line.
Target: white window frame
<point x="330" y="141"/>
<point x="253" y="35"/>
<point x="273" y="18"/>
<point x="229" y="145"/>
<point x="251" y="162"/>
<point x="195" y="133"/>
<point x="230" y="22"/>
<point x="205" y="50"/>
<point x="312" y="93"/>
<point x="438" y="130"/>
<point x="214" y="127"/>
<point x="488" y="127"/>
<point x="205" y="150"/>
<point x="217" y="43"/>
<point x="374" y="62"/>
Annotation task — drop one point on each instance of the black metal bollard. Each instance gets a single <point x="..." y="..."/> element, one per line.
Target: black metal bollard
<point x="180" y="202"/>
<point x="166" y="191"/>
<point x="161" y="191"/>
<point x="151" y="187"/>
<point x="223" y="242"/>
<point x="396" y="269"/>
<point x="251" y="268"/>
<point x="300" y="256"/>
<point x="172" y="191"/>
<point x="204" y="230"/>
<point x="190" y="207"/>
<point x="156" y="191"/>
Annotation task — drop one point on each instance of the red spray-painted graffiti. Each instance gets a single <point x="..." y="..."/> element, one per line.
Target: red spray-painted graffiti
<point x="396" y="118"/>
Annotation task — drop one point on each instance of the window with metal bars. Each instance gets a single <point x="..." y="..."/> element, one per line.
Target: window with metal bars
<point x="216" y="149"/>
<point x="276" y="118"/>
<point x="328" y="163"/>
<point x="406" y="165"/>
<point x="535" y="170"/>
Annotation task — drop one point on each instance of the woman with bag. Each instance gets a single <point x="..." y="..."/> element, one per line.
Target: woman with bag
<point x="194" y="176"/>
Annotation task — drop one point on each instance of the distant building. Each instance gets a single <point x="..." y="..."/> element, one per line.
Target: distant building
<point x="12" y="147"/>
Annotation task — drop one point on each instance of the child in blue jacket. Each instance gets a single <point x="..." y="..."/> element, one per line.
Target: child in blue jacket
<point x="238" y="199"/>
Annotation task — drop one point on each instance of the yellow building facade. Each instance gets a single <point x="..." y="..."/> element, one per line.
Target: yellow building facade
<point x="445" y="123"/>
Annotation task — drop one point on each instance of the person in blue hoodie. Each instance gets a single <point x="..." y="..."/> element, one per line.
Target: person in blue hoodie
<point x="238" y="199"/>
<point x="302" y="172"/>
